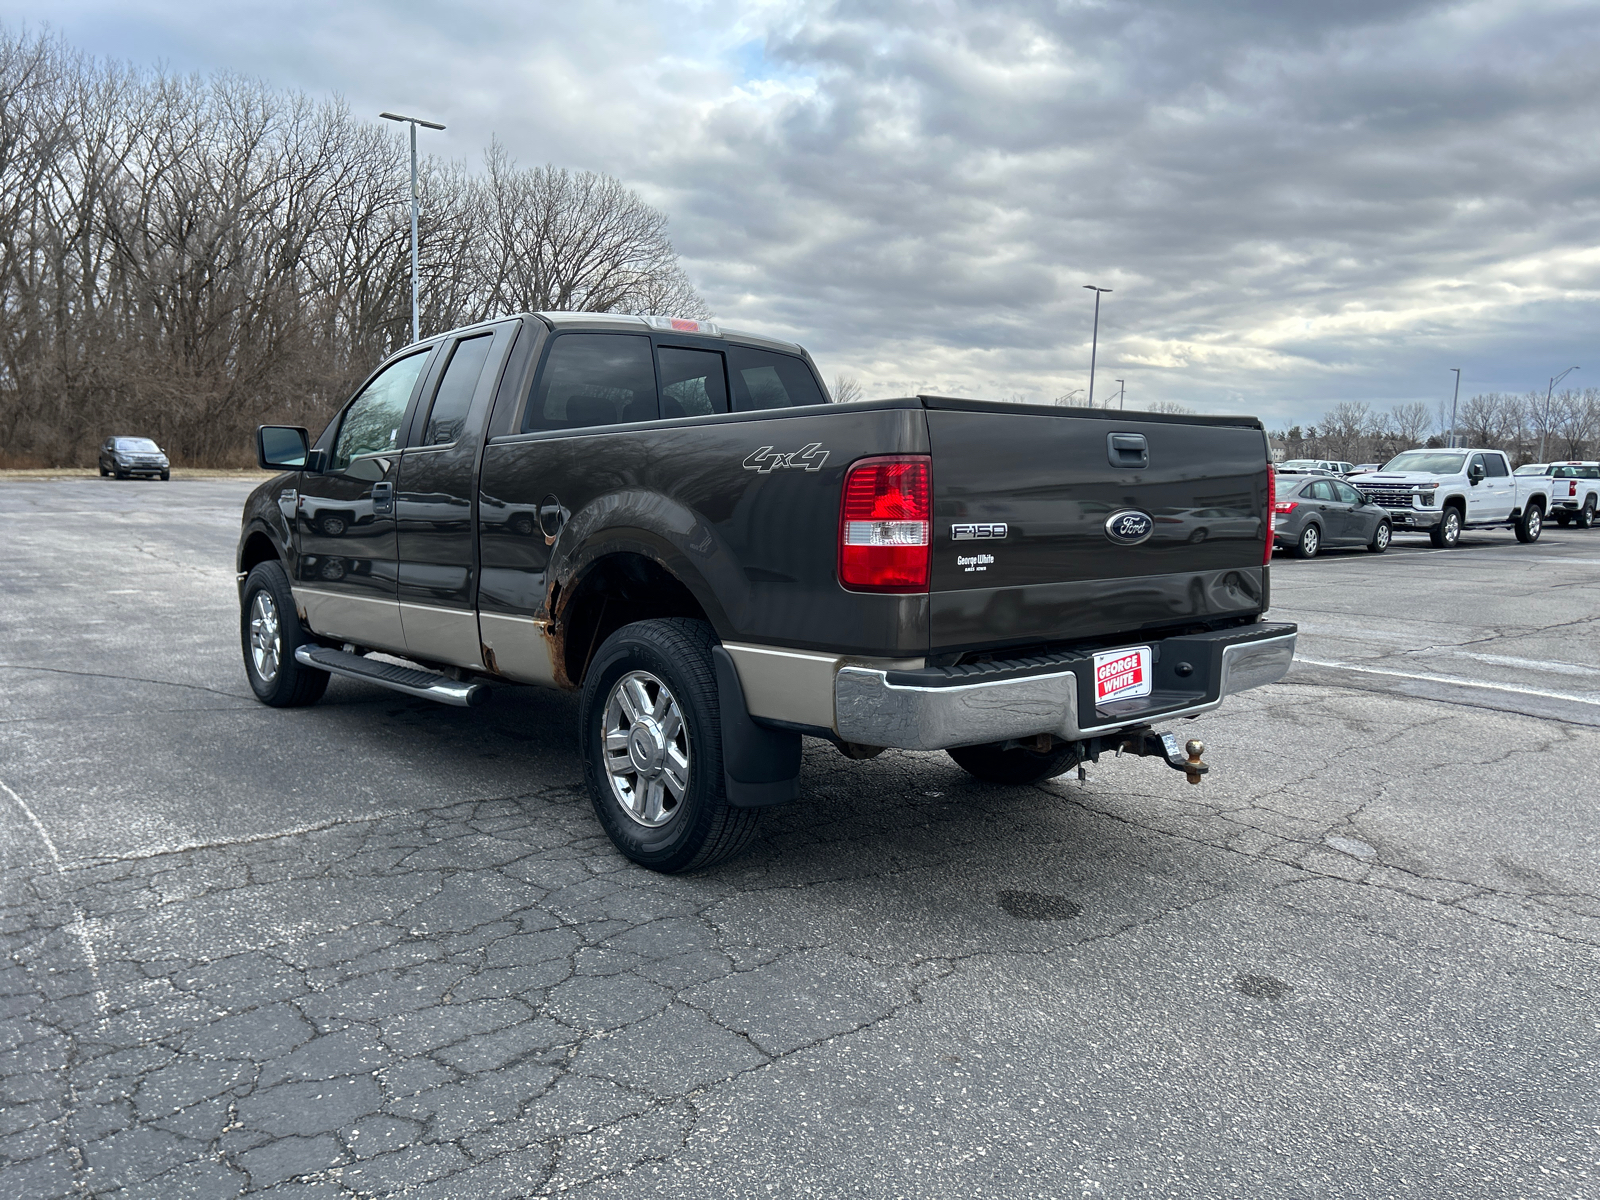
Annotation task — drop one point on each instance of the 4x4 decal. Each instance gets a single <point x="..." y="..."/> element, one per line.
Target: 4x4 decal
<point x="809" y="457"/>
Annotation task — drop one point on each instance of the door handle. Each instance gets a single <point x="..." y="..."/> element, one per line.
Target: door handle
<point x="383" y="497"/>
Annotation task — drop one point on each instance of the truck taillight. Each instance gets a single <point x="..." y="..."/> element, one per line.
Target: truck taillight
<point x="1272" y="511"/>
<point x="885" y="519"/>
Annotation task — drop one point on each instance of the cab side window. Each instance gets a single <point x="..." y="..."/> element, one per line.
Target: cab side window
<point x="765" y="379"/>
<point x="593" y="379"/>
<point x="372" y="423"/>
<point x="448" y="414"/>
<point x="1494" y="466"/>
<point x="693" y="383"/>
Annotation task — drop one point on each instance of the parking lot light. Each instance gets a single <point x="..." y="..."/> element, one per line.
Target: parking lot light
<point x="1544" y="425"/>
<point x="416" y="328"/>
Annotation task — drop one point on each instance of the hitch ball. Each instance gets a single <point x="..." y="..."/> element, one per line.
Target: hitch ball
<point x="1194" y="748"/>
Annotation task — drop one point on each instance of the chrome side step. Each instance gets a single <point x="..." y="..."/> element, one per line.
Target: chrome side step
<point x="410" y="680"/>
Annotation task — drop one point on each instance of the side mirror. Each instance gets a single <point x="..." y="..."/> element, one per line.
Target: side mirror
<point x="281" y="447"/>
<point x="1475" y="472"/>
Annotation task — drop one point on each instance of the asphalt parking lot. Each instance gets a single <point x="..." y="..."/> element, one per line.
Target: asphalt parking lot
<point x="381" y="947"/>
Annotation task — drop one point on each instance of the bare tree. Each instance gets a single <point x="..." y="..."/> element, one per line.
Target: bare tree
<point x="186" y="257"/>
<point x="846" y="388"/>
<point x="1168" y="406"/>
<point x="1410" y="423"/>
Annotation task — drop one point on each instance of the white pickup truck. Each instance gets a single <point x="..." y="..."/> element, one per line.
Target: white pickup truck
<point x="1574" y="490"/>
<point x="1446" y="491"/>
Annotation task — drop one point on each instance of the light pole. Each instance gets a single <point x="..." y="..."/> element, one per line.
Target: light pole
<point x="1453" y="400"/>
<point x="416" y="328"/>
<point x="1094" y="345"/>
<point x="1545" y="424"/>
<point x="1122" y="395"/>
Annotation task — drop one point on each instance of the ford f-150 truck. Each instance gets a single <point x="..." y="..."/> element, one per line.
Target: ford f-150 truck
<point x="1446" y="491"/>
<point x="674" y="521"/>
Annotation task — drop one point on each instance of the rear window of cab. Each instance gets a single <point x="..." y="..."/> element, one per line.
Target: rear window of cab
<point x="587" y="380"/>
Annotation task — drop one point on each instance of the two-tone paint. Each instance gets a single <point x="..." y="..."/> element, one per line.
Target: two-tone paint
<point x="514" y="554"/>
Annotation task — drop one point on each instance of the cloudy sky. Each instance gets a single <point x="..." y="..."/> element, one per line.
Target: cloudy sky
<point x="1296" y="202"/>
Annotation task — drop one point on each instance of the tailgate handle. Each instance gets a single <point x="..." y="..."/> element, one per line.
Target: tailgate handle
<point x="1127" y="450"/>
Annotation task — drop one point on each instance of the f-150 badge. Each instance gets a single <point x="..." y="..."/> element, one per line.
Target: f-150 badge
<point x="991" y="531"/>
<point x="809" y="457"/>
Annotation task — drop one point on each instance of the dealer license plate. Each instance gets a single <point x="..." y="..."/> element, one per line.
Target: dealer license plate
<point x="1121" y="674"/>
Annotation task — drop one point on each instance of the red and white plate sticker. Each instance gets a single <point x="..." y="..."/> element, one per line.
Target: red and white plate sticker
<point x="1121" y="674"/>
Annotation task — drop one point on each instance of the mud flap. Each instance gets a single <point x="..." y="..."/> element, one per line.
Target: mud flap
<point x="760" y="766"/>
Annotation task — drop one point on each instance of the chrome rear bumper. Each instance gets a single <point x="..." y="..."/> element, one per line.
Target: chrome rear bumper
<point x="934" y="709"/>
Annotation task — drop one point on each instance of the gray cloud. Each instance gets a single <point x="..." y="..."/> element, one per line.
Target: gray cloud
<point x="1296" y="203"/>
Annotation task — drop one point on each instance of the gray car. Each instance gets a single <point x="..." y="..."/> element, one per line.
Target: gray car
<point x="1310" y="514"/>
<point x="125" y="456"/>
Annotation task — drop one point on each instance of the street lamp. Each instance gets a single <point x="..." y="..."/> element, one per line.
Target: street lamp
<point x="1095" y="344"/>
<point x="1453" y="400"/>
<point x="1122" y="395"/>
<point x="1545" y="424"/>
<point x="416" y="328"/>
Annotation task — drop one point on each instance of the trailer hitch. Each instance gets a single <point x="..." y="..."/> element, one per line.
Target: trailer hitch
<point x="1147" y="743"/>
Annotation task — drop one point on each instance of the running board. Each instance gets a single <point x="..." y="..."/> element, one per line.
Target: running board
<point x="391" y="675"/>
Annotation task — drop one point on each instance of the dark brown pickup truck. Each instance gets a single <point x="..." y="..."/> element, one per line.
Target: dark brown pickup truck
<point x="673" y="519"/>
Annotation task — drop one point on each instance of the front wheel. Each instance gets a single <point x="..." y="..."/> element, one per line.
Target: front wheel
<point x="650" y="724"/>
<point x="1447" y="532"/>
<point x="1530" y="524"/>
<point x="1310" y="542"/>
<point x="1381" y="537"/>
<point x="1014" y="766"/>
<point x="270" y="630"/>
<point x="165" y="475"/>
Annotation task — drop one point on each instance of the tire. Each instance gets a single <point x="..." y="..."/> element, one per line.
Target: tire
<point x="332" y="525"/>
<point x="1586" y="514"/>
<point x="1015" y="766"/>
<point x="103" y="471"/>
<point x="1310" y="541"/>
<point x="119" y="473"/>
<point x="1198" y="536"/>
<point x="1446" y="535"/>
<point x="166" y="475"/>
<point x="667" y="826"/>
<point x="1530" y="524"/>
<point x="1381" y="537"/>
<point x="269" y="633"/>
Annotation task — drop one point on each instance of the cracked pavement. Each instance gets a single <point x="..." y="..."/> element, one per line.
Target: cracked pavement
<point x="380" y="947"/>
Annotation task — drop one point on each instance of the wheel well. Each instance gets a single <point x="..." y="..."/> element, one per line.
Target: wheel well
<point x="617" y="590"/>
<point x="258" y="548"/>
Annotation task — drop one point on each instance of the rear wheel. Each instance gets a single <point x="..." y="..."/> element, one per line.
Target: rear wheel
<point x="1014" y="766"/>
<point x="1586" y="514"/>
<point x="1310" y="542"/>
<point x="1381" y="537"/>
<point x="1447" y="532"/>
<point x="651" y="733"/>
<point x="270" y="631"/>
<point x="1530" y="524"/>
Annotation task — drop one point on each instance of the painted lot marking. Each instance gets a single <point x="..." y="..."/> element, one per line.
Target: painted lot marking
<point x="1456" y="681"/>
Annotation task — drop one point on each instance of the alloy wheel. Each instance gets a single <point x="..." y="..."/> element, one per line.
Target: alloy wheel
<point x="646" y="748"/>
<point x="266" y="637"/>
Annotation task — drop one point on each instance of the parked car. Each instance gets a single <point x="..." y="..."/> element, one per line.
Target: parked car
<point x="687" y="533"/>
<point x="1310" y="515"/>
<point x="1331" y="466"/>
<point x="1446" y="491"/>
<point x="1363" y="468"/>
<point x="126" y="456"/>
<point x="1574" y="492"/>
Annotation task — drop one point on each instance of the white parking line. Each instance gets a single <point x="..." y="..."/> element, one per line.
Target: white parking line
<point x="1454" y="681"/>
<point x="1554" y="667"/>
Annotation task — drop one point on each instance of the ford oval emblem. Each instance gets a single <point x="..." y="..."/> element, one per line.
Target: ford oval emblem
<point x="1129" y="527"/>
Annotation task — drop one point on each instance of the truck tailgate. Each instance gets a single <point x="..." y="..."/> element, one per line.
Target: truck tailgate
<point x="1022" y="500"/>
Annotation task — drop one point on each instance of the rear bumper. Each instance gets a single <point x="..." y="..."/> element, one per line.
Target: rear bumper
<point x="936" y="708"/>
